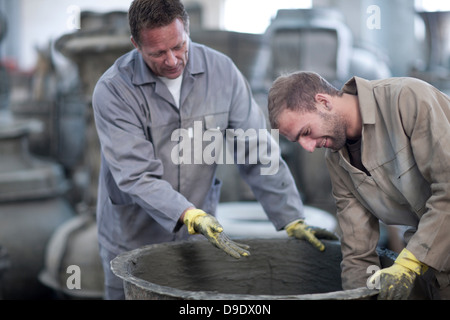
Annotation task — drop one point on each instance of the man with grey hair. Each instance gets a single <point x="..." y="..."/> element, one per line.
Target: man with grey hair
<point x="167" y="84"/>
<point x="388" y="157"/>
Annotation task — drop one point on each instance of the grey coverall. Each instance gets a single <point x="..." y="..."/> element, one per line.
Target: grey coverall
<point x="405" y="148"/>
<point x="142" y="192"/>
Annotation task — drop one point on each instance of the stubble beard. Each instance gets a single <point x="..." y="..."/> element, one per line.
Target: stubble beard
<point x="338" y="127"/>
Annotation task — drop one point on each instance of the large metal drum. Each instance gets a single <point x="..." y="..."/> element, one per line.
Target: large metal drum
<point x="196" y="270"/>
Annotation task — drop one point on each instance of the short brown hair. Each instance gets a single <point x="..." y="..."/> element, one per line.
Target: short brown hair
<point x="148" y="14"/>
<point x="296" y="91"/>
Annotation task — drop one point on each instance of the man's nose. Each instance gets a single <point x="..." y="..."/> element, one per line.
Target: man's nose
<point x="171" y="59"/>
<point x="307" y="143"/>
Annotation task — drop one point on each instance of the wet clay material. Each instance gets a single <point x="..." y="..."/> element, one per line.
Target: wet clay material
<point x="277" y="268"/>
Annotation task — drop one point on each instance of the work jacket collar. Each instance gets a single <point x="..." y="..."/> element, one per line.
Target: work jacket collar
<point x="367" y="103"/>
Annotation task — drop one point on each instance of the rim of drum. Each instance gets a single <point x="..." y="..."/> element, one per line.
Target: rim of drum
<point x="119" y="266"/>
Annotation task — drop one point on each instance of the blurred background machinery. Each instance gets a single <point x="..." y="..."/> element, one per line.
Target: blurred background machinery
<point x="302" y="39"/>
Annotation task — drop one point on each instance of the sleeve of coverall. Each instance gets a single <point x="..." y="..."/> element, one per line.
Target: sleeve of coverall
<point x="130" y="155"/>
<point x="360" y="233"/>
<point x="426" y="120"/>
<point x="269" y="177"/>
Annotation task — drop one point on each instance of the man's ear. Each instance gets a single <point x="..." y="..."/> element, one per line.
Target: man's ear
<point x="135" y="44"/>
<point x="323" y="100"/>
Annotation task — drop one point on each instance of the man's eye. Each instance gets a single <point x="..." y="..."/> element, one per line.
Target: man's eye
<point x="180" y="46"/>
<point x="156" y="55"/>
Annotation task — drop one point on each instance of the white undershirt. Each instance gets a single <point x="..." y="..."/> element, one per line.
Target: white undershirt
<point x="174" y="86"/>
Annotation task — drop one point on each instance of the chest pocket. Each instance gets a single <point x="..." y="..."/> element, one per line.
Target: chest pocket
<point x="410" y="181"/>
<point x="406" y="178"/>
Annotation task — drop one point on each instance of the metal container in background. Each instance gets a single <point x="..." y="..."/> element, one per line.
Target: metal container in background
<point x="247" y="219"/>
<point x="242" y="48"/>
<point x="32" y="206"/>
<point x="4" y="265"/>
<point x="63" y="123"/>
<point x="102" y="38"/>
<point x="436" y="69"/>
<point x="74" y="243"/>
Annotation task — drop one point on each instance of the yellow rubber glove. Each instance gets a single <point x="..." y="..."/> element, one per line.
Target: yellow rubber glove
<point x="301" y="230"/>
<point x="198" y="221"/>
<point x="397" y="281"/>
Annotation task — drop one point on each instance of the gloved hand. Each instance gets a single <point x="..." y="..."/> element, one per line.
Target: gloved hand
<point x="198" y="221"/>
<point x="396" y="282"/>
<point x="301" y="230"/>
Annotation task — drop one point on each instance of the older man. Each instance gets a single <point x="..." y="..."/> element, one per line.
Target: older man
<point x="150" y="108"/>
